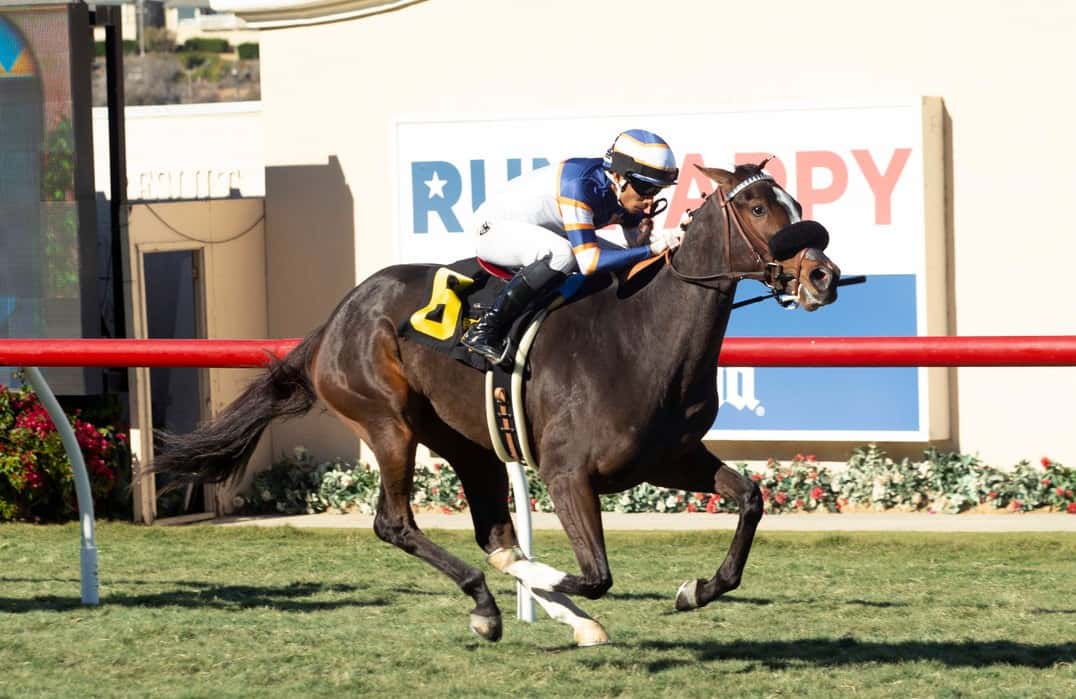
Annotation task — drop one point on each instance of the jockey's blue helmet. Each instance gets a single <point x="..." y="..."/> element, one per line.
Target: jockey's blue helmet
<point x="641" y="154"/>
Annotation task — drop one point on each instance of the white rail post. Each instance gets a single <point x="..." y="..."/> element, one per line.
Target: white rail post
<point x="88" y="557"/>
<point x="521" y="493"/>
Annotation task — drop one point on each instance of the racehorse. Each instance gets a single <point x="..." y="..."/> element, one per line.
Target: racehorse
<point x="622" y="388"/>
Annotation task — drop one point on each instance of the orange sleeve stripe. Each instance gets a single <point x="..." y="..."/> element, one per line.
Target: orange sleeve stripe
<point x="565" y="201"/>
<point x="577" y="226"/>
<point x="589" y="257"/>
<point x="585" y="246"/>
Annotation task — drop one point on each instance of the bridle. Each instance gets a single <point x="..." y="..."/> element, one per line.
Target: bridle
<point x="768" y="270"/>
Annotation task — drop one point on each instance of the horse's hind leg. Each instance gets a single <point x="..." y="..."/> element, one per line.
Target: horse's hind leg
<point x="395" y="523"/>
<point x="701" y="471"/>
<point x="373" y="397"/>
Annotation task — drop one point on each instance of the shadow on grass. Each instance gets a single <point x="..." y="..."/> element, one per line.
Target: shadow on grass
<point x="849" y="651"/>
<point x="199" y="595"/>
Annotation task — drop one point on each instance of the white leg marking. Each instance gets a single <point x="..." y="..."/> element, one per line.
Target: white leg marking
<point x="537" y="576"/>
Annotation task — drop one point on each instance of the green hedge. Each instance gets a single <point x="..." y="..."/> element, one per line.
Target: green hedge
<point x="130" y="46"/>
<point x="248" y="51"/>
<point x="207" y="45"/>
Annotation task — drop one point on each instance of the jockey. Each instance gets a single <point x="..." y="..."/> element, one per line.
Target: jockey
<point x="544" y="223"/>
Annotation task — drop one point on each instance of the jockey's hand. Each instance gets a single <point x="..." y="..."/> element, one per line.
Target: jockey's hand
<point x="665" y="239"/>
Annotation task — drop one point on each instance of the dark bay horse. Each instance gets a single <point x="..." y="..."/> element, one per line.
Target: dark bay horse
<point x="622" y="389"/>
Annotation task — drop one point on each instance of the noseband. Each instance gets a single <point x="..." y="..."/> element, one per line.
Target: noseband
<point x="768" y="270"/>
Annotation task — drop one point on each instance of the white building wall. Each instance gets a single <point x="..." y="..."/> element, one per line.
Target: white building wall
<point x="1002" y="68"/>
<point x="187" y="151"/>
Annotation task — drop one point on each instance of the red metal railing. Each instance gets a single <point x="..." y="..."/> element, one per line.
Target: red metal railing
<point x="1030" y="350"/>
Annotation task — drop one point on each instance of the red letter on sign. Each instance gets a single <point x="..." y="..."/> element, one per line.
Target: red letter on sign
<point x="882" y="185"/>
<point x="681" y="202"/>
<point x="806" y="163"/>
<point x="775" y="167"/>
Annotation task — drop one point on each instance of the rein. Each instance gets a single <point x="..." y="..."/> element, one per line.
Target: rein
<point x="772" y="272"/>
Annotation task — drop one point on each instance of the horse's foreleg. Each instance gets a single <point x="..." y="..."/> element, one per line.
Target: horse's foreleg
<point x="702" y="471"/>
<point x="579" y="512"/>
<point x="585" y="629"/>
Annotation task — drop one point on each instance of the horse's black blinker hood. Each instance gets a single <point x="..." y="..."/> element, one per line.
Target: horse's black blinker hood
<point x="795" y="237"/>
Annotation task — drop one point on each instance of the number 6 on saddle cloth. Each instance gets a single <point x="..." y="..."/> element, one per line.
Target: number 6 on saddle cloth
<point x="458" y="296"/>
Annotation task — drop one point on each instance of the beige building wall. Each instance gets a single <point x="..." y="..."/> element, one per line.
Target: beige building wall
<point x="228" y="237"/>
<point x="1003" y="69"/>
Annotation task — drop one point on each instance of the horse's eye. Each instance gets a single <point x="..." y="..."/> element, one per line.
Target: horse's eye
<point x="758" y="210"/>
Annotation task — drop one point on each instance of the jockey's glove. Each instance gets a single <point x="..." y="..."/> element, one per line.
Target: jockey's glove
<point x="665" y="239"/>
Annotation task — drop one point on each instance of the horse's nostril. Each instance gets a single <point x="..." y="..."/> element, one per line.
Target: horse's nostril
<point x="820" y="277"/>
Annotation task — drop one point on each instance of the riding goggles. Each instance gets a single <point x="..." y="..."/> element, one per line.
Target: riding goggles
<point x="643" y="188"/>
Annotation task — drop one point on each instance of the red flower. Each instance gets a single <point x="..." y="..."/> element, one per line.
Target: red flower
<point x="711" y="506"/>
<point x="780" y="498"/>
<point x="1072" y="508"/>
<point x="446" y="509"/>
<point x="811" y="458"/>
<point x="679" y="498"/>
<point x="756" y="477"/>
<point x="765" y="493"/>
<point x="1045" y="461"/>
<point x="1060" y="492"/>
<point x="1016" y="504"/>
<point x="816" y="493"/>
<point x="798" y="504"/>
<point x="534" y="504"/>
<point x="691" y="507"/>
<point x="700" y="496"/>
<point x="992" y="495"/>
<point x="1045" y="482"/>
<point x="798" y="457"/>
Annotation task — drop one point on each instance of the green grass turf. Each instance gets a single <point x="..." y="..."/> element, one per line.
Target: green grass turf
<point x="208" y="611"/>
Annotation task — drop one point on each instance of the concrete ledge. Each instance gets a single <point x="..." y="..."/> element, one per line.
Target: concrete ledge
<point x="683" y="521"/>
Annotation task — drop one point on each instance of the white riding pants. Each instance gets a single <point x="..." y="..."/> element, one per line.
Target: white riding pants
<point x="517" y="244"/>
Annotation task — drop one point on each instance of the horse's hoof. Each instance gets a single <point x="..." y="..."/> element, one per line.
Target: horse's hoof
<point x="687" y="597"/>
<point x="590" y="633"/>
<point x="488" y="627"/>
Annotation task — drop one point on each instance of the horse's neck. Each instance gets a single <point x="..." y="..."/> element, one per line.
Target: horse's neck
<point x="692" y="318"/>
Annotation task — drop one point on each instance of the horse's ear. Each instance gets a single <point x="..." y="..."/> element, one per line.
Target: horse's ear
<point x="721" y="177"/>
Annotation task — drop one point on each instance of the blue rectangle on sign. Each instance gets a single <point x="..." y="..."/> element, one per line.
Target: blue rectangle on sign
<point x="838" y="399"/>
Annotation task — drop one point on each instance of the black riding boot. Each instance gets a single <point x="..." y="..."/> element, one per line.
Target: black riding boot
<point x="487" y="336"/>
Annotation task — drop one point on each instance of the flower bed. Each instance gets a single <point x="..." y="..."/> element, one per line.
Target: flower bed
<point x="36" y="483"/>
<point x="940" y="482"/>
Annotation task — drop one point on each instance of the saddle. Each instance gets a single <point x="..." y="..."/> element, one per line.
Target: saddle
<point x="459" y="294"/>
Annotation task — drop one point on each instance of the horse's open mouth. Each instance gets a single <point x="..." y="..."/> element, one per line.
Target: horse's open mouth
<point x="818" y="281"/>
<point x="810" y="302"/>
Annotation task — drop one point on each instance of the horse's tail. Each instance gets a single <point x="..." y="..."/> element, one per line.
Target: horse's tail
<point x="220" y="448"/>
